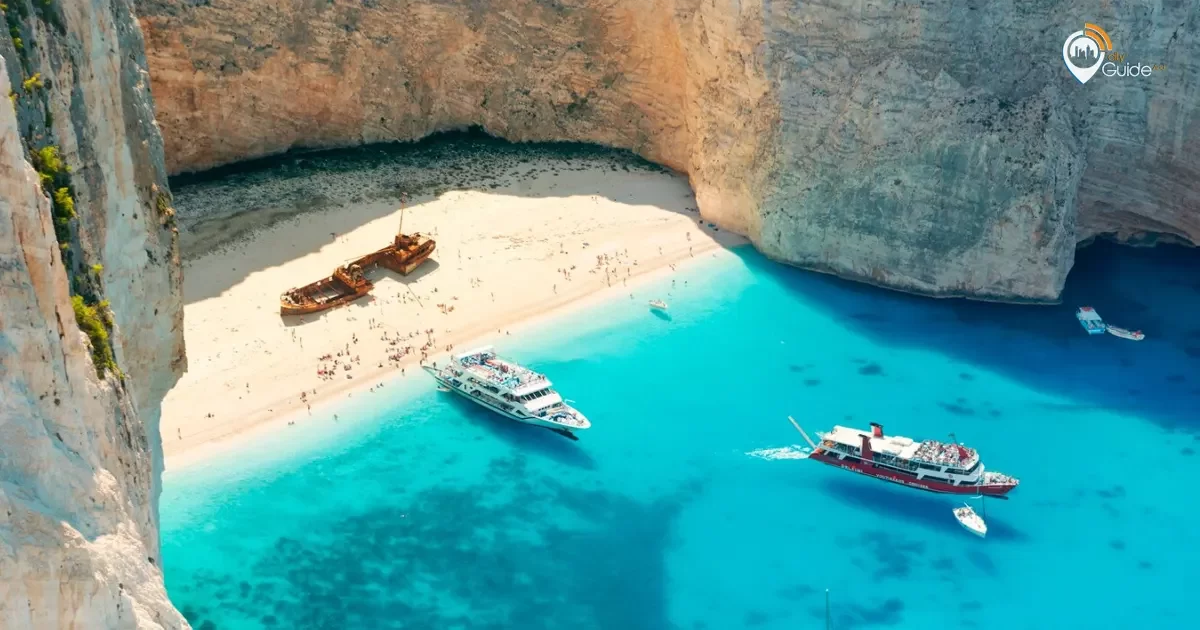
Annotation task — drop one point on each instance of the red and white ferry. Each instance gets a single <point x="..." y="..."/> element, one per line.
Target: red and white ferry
<point x="929" y="465"/>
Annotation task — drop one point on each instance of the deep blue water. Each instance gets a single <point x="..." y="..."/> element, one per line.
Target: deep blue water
<point x="421" y="511"/>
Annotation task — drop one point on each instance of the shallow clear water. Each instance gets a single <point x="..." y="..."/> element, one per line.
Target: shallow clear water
<point x="418" y="510"/>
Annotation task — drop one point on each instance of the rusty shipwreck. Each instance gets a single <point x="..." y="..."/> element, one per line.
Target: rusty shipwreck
<point x="349" y="281"/>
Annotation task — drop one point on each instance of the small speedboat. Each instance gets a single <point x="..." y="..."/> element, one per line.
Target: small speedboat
<point x="1132" y="335"/>
<point x="658" y="305"/>
<point x="970" y="520"/>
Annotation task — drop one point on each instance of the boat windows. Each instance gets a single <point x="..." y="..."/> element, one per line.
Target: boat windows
<point x="534" y="395"/>
<point x="893" y="466"/>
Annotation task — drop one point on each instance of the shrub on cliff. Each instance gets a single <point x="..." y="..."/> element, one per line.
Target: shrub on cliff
<point x="32" y="83"/>
<point x="56" y="181"/>
<point x="92" y="322"/>
<point x="162" y="202"/>
<point x="64" y="203"/>
<point x="48" y="160"/>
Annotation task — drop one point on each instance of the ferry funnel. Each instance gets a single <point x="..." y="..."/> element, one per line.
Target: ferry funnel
<point x="876" y="429"/>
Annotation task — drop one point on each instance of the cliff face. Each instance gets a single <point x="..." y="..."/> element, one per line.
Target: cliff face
<point x="926" y="145"/>
<point x="84" y="245"/>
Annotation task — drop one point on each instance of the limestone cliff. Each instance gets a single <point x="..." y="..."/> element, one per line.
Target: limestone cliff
<point x="90" y="314"/>
<point x="926" y="145"/>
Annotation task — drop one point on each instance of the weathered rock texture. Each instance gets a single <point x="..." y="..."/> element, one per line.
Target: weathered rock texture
<point x="926" y="145"/>
<point x="80" y="453"/>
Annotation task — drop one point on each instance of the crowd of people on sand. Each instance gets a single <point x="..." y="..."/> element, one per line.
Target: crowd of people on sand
<point x="617" y="265"/>
<point x="342" y="360"/>
<point x="611" y="265"/>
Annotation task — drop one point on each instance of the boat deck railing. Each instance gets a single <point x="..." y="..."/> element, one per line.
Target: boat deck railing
<point x="562" y="414"/>
<point x="513" y="377"/>
<point x="990" y="478"/>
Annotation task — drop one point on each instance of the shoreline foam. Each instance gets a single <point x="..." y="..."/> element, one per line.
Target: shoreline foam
<point x="522" y="240"/>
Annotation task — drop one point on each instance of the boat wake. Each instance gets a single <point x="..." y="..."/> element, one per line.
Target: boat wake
<point x="783" y="452"/>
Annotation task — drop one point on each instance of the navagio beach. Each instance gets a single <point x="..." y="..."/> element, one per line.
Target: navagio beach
<point x="688" y="503"/>
<point x="559" y="233"/>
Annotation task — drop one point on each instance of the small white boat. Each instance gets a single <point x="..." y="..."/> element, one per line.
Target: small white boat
<point x="658" y="305"/>
<point x="1132" y="335"/>
<point x="1090" y="320"/>
<point x="970" y="520"/>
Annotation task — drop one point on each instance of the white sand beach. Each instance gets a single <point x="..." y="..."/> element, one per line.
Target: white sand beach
<point x="540" y="243"/>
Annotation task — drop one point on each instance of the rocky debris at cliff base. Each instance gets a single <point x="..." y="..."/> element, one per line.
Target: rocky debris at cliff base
<point x="229" y="204"/>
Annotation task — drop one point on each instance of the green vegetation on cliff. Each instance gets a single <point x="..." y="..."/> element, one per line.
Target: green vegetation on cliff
<point x="162" y="203"/>
<point x="91" y="310"/>
<point x="94" y="321"/>
<point x="56" y="181"/>
<point x="14" y="16"/>
<point x="33" y="83"/>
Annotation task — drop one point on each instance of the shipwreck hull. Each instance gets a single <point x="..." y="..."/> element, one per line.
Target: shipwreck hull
<point x="405" y="263"/>
<point x="286" y="308"/>
<point x="403" y="256"/>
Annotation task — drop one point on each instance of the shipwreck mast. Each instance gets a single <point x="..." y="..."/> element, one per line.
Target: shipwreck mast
<point x="403" y="200"/>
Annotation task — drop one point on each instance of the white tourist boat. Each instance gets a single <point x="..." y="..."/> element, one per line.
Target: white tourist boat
<point x="509" y="389"/>
<point x="658" y="305"/>
<point x="970" y="520"/>
<point x="1132" y="335"/>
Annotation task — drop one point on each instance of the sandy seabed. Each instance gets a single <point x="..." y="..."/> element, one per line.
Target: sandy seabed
<point x="543" y="234"/>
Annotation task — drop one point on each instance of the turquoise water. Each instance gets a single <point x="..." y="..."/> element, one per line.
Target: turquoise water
<point x="418" y="510"/>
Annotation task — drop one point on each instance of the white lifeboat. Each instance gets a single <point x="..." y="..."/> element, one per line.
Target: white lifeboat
<point x="1132" y="335"/>
<point x="970" y="520"/>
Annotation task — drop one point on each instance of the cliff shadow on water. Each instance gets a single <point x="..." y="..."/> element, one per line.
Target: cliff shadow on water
<point x="220" y="207"/>
<point x="1156" y="290"/>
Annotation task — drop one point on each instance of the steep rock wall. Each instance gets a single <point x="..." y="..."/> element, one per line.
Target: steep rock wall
<point x="926" y="145"/>
<point x="80" y="454"/>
